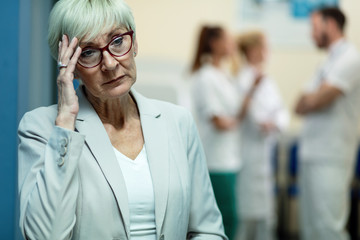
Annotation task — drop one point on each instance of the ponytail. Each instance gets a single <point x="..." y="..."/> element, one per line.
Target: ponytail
<point x="207" y="35"/>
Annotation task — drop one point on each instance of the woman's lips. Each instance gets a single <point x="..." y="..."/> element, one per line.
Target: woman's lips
<point x="114" y="80"/>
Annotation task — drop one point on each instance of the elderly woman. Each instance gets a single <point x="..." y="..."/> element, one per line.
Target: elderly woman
<point x="106" y="162"/>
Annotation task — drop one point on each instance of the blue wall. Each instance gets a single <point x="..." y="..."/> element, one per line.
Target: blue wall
<point x="302" y="8"/>
<point x="9" y="28"/>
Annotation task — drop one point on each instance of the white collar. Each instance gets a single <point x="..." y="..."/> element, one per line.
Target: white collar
<point x="334" y="47"/>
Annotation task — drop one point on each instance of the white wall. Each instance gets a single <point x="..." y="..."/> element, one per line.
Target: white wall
<point x="167" y="31"/>
<point x="168" y="28"/>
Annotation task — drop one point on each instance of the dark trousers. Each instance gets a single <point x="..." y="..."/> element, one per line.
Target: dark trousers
<point x="224" y="185"/>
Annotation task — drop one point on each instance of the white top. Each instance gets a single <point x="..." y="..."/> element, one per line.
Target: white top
<point x="140" y="195"/>
<point x="266" y="106"/>
<point x="255" y="183"/>
<point x="331" y="133"/>
<point x="266" y="103"/>
<point x="215" y="95"/>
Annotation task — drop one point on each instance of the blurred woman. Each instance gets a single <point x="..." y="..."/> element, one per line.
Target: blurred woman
<point x="219" y="112"/>
<point x="266" y="117"/>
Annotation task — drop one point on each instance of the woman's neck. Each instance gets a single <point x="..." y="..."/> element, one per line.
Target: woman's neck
<point x="216" y="61"/>
<point x="117" y="111"/>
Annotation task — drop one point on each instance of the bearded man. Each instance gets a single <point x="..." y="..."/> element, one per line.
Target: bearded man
<point x="330" y="106"/>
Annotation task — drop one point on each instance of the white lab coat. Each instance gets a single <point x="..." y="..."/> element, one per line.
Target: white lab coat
<point x="255" y="182"/>
<point x="328" y="145"/>
<point x="330" y="134"/>
<point x="214" y="94"/>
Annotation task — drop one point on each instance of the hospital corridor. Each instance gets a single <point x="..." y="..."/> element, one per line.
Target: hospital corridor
<point x="273" y="90"/>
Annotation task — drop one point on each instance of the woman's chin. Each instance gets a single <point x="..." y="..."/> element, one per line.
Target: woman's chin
<point x="118" y="91"/>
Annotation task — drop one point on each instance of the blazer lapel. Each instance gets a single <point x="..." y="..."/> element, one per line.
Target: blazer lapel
<point x="156" y="142"/>
<point x="98" y="142"/>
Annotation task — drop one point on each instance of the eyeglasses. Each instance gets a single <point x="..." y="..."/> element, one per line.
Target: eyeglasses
<point x="119" y="46"/>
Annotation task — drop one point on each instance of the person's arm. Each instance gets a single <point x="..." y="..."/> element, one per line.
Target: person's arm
<point x="206" y="98"/>
<point x="68" y="104"/>
<point x="205" y="221"/>
<point x="48" y="179"/>
<point x="342" y="78"/>
<point x="48" y="156"/>
<point x="224" y="123"/>
<point x="247" y="99"/>
<point x="318" y="100"/>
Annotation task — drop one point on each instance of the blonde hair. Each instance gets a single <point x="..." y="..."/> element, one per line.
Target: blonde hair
<point x="249" y="40"/>
<point x="86" y="19"/>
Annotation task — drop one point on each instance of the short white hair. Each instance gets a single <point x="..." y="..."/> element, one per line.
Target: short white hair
<point x="86" y="20"/>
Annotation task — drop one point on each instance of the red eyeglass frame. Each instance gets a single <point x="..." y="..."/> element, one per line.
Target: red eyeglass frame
<point x="131" y="33"/>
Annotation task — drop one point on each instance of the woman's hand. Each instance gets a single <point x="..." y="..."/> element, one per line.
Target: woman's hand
<point x="224" y="123"/>
<point x="267" y="127"/>
<point x="68" y="104"/>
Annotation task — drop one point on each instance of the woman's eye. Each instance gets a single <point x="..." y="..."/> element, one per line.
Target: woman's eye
<point x="117" y="41"/>
<point x="87" y="53"/>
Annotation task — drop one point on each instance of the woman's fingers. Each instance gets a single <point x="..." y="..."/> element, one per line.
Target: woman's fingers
<point x="59" y="50"/>
<point x="68" y="105"/>
<point x="72" y="64"/>
<point x="67" y="54"/>
<point x="62" y="47"/>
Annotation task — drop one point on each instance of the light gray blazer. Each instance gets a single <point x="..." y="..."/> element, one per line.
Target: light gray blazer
<point x="71" y="185"/>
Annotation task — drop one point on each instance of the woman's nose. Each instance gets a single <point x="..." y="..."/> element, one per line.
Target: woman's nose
<point x="109" y="62"/>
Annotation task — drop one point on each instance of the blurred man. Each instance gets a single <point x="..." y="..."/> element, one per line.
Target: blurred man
<point x="331" y="110"/>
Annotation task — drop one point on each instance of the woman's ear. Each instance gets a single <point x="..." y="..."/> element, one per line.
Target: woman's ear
<point x="135" y="48"/>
